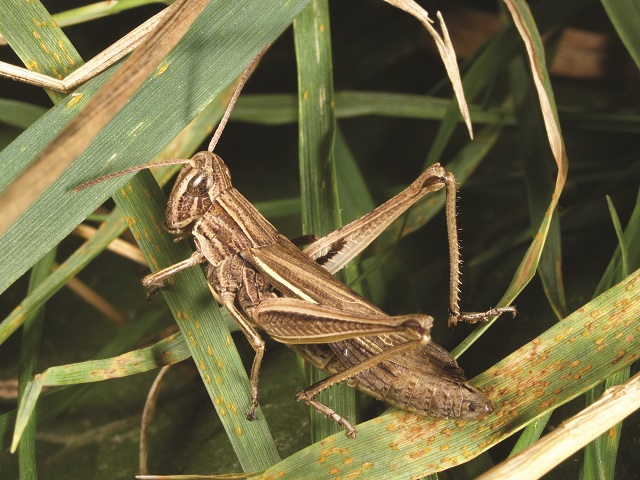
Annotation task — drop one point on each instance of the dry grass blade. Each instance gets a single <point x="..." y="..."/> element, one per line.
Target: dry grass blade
<point x="97" y="64"/>
<point x="147" y="416"/>
<point x="117" y="245"/>
<point x="79" y="133"/>
<point x="550" y="121"/>
<point x="445" y="48"/>
<point x="615" y="405"/>
<point x="97" y="301"/>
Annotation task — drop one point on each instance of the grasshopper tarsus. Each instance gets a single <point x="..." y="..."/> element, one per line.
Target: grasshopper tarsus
<point x="328" y="413"/>
<point x="153" y="292"/>
<point x="479" y="317"/>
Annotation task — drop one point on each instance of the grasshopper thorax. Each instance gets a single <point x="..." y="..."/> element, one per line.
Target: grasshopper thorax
<point x="196" y="188"/>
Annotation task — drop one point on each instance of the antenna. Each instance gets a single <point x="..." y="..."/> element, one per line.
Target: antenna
<point x="214" y="140"/>
<point x="234" y="99"/>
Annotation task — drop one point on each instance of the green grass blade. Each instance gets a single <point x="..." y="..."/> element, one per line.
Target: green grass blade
<point x="318" y="186"/>
<point x="563" y="362"/>
<point x="282" y="109"/>
<point x="98" y="10"/>
<point x="624" y="253"/>
<point x="19" y="114"/>
<point x="624" y="16"/>
<point x="31" y="340"/>
<point x="600" y="455"/>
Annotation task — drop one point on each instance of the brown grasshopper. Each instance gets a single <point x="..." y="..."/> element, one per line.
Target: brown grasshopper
<point x="267" y="283"/>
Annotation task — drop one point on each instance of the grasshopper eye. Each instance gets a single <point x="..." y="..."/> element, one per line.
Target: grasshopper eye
<point x="199" y="186"/>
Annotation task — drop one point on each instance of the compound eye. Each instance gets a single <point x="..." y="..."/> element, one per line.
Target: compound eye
<point x="199" y="186"/>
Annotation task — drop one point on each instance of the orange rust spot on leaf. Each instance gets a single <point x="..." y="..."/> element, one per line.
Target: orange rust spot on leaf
<point x="334" y="471"/>
<point x="619" y="356"/>
<point x="162" y="69"/>
<point x="547" y="403"/>
<point x="347" y="461"/>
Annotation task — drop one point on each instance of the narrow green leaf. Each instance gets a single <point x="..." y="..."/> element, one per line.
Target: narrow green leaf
<point x="53" y="404"/>
<point x="31" y="340"/>
<point x="19" y="114"/>
<point x="600" y="455"/>
<point x="624" y="16"/>
<point x="624" y="255"/>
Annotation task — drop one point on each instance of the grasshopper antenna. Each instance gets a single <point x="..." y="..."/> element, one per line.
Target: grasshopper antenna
<point x="212" y="144"/>
<point x="234" y="99"/>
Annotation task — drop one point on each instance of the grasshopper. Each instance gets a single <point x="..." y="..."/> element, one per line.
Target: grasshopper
<point x="266" y="282"/>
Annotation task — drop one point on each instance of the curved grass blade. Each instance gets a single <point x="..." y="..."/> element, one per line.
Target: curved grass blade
<point x="54" y="403"/>
<point x="166" y="352"/>
<point x="529" y="33"/>
<point x="19" y="114"/>
<point x="537" y="161"/>
<point x="589" y="345"/>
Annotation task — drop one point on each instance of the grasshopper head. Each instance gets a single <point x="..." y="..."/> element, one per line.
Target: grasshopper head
<point x="196" y="188"/>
